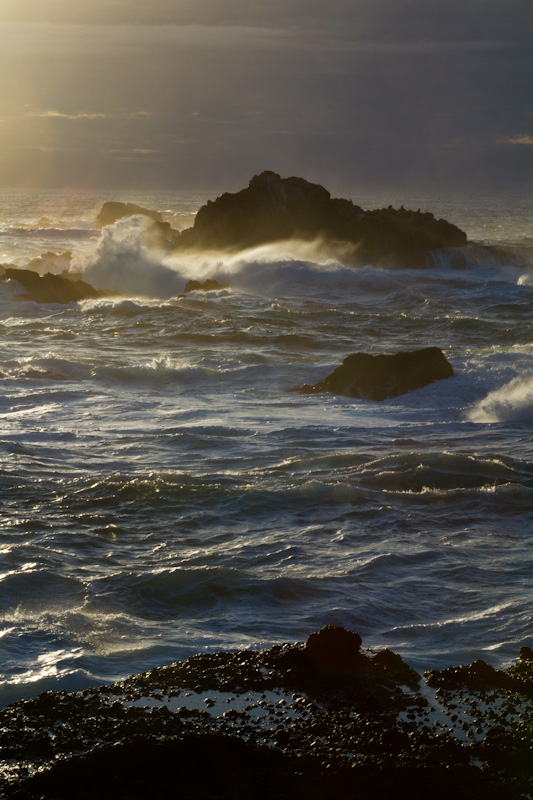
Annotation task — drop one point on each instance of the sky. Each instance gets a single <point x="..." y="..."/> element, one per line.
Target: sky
<point x="420" y="94"/>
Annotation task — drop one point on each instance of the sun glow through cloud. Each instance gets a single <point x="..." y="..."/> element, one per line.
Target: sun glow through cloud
<point x="84" y="115"/>
<point x="521" y="139"/>
<point x="220" y="91"/>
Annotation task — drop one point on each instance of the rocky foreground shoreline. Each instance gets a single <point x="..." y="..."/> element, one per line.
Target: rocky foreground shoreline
<point x="324" y="719"/>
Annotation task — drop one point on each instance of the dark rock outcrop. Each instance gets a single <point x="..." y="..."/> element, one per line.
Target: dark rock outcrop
<point x="273" y="209"/>
<point x="478" y="676"/>
<point x="275" y="723"/>
<point x="334" y="648"/>
<point x="51" y="288"/>
<point x="112" y="210"/>
<point x="382" y="376"/>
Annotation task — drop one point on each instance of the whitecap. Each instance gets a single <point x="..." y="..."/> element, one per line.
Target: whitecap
<point x="510" y="403"/>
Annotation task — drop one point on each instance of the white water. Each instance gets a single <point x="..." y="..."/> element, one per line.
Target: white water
<point x="163" y="493"/>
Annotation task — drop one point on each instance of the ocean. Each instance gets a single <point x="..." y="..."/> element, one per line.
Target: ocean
<point x="163" y="493"/>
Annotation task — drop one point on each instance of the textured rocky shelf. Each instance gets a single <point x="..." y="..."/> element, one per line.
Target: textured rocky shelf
<point x="315" y="720"/>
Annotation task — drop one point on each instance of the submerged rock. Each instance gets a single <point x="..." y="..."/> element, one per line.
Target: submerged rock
<point x="51" y="288"/>
<point x="209" y="285"/>
<point x="273" y="209"/>
<point x="380" y="377"/>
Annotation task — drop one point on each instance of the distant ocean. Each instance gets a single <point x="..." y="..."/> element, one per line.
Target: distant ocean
<point x="163" y="494"/>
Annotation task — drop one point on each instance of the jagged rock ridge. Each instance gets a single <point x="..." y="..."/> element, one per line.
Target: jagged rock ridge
<point x="272" y="209"/>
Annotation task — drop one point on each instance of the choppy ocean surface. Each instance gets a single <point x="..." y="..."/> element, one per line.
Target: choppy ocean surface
<point x="162" y="493"/>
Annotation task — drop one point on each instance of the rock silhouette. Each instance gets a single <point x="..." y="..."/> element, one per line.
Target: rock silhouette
<point x="113" y="210"/>
<point x="51" y="288"/>
<point x="273" y="209"/>
<point x="382" y="376"/>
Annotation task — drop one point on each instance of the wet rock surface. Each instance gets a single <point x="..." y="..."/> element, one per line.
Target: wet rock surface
<point x="320" y="720"/>
<point x="379" y="377"/>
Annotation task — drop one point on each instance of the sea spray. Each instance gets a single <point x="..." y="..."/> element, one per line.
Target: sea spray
<point x="510" y="403"/>
<point x="120" y="262"/>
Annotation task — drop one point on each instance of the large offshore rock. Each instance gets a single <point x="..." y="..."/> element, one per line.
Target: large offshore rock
<point x="273" y="209"/>
<point x="382" y="376"/>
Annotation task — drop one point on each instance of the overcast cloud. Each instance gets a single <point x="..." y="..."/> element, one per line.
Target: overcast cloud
<point x="384" y="93"/>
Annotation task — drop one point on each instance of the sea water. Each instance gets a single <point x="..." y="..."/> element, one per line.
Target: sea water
<point x="164" y="493"/>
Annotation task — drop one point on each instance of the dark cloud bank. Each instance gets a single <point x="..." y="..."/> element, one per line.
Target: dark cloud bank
<point x="381" y="93"/>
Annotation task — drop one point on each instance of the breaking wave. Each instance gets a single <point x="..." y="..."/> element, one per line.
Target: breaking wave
<point x="510" y="403"/>
<point x="476" y="255"/>
<point x="121" y="261"/>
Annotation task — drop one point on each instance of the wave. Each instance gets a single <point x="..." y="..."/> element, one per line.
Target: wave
<point x="75" y="229"/>
<point x="32" y="589"/>
<point x="120" y="261"/>
<point x="61" y="233"/>
<point x="119" y="307"/>
<point x="476" y="255"/>
<point x="156" y="373"/>
<point x="415" y="472"/>
<point x="48" y="237"/>
<point x="164" y="370"/>
<point x="168" y="593"/>
<point x="47" y="367"/>
<point x="9" y="290"/>
<point x="403" y="480"/>
<point x="510" y="403"/>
